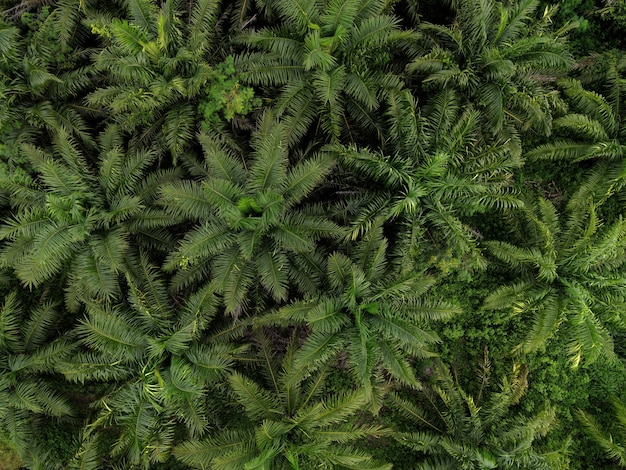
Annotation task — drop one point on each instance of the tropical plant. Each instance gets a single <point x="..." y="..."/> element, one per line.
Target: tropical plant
<point x="72" y="222"/>
<point x="158" y="68"/>
<point x="570" y="278"/>
<point x="449" y="428"/>
<point x="255" y="223"/>
<point x="437" y="171"/>
<point x="329" y="61"/>
<point x="594" y="130"/>
<point x="39" y="94"/>
<point x="158" y="361"/>
<point x="374" y="309"/>
<point x="289" y="423"/>
<point x="229" y="231"/>
<point x="498" y="57"/>
<point x="613" y="446"/>
<point x="30" y="353"/>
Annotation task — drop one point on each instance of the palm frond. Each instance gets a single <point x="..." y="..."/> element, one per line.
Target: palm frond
<point x="299" y="13"/>
<point x="589" y="339"/>
<point x="273" y="269"/>
<point x="37" y="328"/>
<point x="582" y="126"/>
<point x="258" y="403"/>
<point x="395" y="362"/>
<point x="221" y="161"/>
<point x="304" y="177"/>
<point x="270" y="144"/>
<point x="545" y="322"/>
<point x="614" y="450"/>
<point x="398" y="331"/>
<point x="179" y="128"/>
<point x="143" y="12"/>
<point x="188" y="198"/>
<point x="51" y="248"/>
<point x="9" y="323"/>
<point x="107" y="331"/>
<point x="317" y="350"/>
<point x="236" y="445"/>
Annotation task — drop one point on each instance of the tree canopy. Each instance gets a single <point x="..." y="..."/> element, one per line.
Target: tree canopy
<point x="267" y="234"/>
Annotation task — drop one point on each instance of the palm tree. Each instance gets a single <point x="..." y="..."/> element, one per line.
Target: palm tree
<point x="39" y="96"/>
<point x="76" y="223"/>
<point x="500" y="59"/>
<point x="438" y="169"/>
<point x="613" y="445"/>
<point x="30" y="354"/>
<point x="450" y="428"/>
<point x="570" y="280"/>
<point x="255" y="222"/>
<point x="329" y="63"/>
<point x="159" y="363"/>
<point x="593" y="130"/>
<point x="373" y="308"/>
<point x="159" y="68"/>
<point x="287" y="422"/>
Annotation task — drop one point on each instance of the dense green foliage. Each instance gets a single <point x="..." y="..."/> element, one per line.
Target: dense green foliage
<point x="267" y="234"/>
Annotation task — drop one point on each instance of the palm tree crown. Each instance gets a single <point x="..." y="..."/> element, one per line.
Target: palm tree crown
<point x="440" y="168"/>
<point x="71" y="216"/>
<point x="291" y="423"/>
<point x="328" y="58"/>
<point x="460" y="431"/>
<point x="374" y="310"/>
<point x="571" y="278"/>
<point x="497" y="56"/>
<point x="255" y="224"/>
<point x="157" y="67"/>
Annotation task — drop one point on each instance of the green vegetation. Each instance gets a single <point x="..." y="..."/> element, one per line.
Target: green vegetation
<point x="296" y="234"/>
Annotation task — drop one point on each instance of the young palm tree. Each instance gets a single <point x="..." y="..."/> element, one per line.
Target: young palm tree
<point x="255" y="223"/>
<point x="593" y="131"/>
<point x="452" y="429"/>
<point x="438" y="169"/>
<point x="30" y="355"/>
<point x="571" y="279"/>
<point x="374" y="309"/>
<point x="158" y="67"/>
<point x="614" y="445"/>
<point x="287" y="423"/>
<point x="75" y="223"/>
<point x="499" y="58"/>
<point x="329" y="61"/>
<point x="158" y="361"/>
<point x="38" y="97"/>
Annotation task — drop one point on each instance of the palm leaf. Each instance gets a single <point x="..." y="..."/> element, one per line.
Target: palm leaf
<point x="52" y="246"/>
<point x="10" y="323"/>
<point x="143" y="12"/>
<point x="258" y="402"/>
<point x="179" y="128"/>
<point x="318" y="349"/>
<point x="237" y="276"/>
<point x="221" y="162"/>
<point x="204" y="242"/>
<point x="129" y="36"/>
<point x="273" y="269"/>
<point x="107" y="332"/>
<point x="304" y="177"/>
<point x="188" y="198"/>
<point x="339" y="408"/>
<point x="37" y="329"/>
<point x="395" y="362"/>
<point x="270" y="144"/>
<point x="614" y="450"/>
<point x="298" y="12"/>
